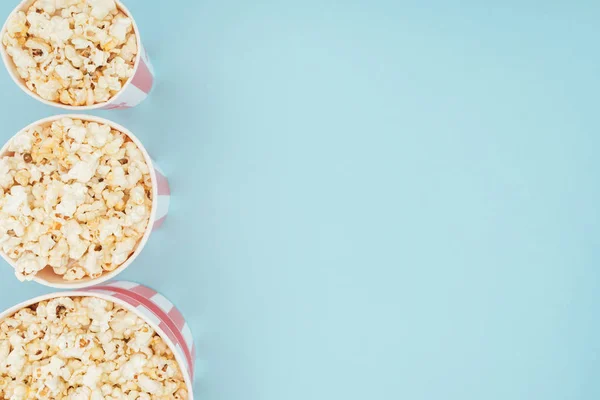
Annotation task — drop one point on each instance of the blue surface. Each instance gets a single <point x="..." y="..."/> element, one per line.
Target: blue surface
<point x="373" y="200"/>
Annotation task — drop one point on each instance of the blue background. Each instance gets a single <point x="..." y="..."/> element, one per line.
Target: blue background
<point x="373" y="199"/>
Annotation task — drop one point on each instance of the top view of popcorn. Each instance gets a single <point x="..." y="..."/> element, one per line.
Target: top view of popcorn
<point x="85" y="348"/>
<point x="74" y="52"/>
<point x="75" y="196"/>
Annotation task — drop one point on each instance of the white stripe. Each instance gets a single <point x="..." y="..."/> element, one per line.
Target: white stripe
<point x="148" y="314"/>
<point x="157" y="167"/>
<point x="162" y="208"/>
<point x="132" y="96"/>
<point x="162" y="302"/>
<point x="187" y="335"/>
<point x="123" y="284"/>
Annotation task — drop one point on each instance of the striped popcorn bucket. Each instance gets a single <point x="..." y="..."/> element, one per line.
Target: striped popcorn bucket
<point x="161" y="196"/>
<point x="133" y="92"/>
<point x="150" y="306"/>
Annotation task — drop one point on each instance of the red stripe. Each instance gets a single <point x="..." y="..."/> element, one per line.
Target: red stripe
<point x="143" y="77"/>
<point x="144" y="291"/>
<point x="177" y="318"/>
<point x="162" y="184"/>
<point x="164" y="317"/>
<point x="168" y="331"/>
<point x="128" y="299"/>
<point x="159" y="223"/>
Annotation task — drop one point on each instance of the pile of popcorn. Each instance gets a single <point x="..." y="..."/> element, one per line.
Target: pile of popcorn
<point x="76" y="52"/>
<point x="85" y="348"/>
<point x="75" y="196"/>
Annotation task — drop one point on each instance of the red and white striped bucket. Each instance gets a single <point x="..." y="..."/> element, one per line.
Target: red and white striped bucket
<point x="161" y="196"/>
<point x="150" y="306"/>
<point x="133" y="92"/>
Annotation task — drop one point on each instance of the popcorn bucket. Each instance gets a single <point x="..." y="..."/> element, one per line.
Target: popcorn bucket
<point x="151" y="307"/>
<point x="161" y="195"/>
<point x="133" y="92"/>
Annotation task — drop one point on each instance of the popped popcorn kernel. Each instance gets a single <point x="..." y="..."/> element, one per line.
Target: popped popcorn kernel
<point x="75" y="196"/>
<point x="74" y="52"/>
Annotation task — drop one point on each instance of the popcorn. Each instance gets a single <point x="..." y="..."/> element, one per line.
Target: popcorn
<point x="15" y="361"/>
<point x="148" y="385"/>
<point x="58" y="257"/>
<point x="54" y="385"/>
<point x="16" y="203"/>
<point x="133" y="367"/>
<point x="6" y="175"/>
<point x="17" y="24"/>
<point x="42" y="356"/>
<point x="74" y="274"/>
<point x="116" y="197"/>
<point x="46" y="5"/>
<point x="21" y="58"/>
<point x="123" y="250"/>
<point x="66" y="71"/>
<point x="101" y="8"/>
<point x="4" y="349"/>
<point x="128" y="51"/>
<point x="47" y="89"/>
<point x="77" y="198"/>
<point x="97" y="135"/>
<point x="92" y="376"/>
<point x="36" y="350"/>
<point x="56" y="306"/>
<point x="83" y="170"/>
<point x="75" y="52"/>
<point x="123" y="321"/>
<point x="141" y="338"/>
<point x="21" y="143"/>
<point x="121" y="26"/>
<point x="30" y="264"/>
<point x="137" y="195"/>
